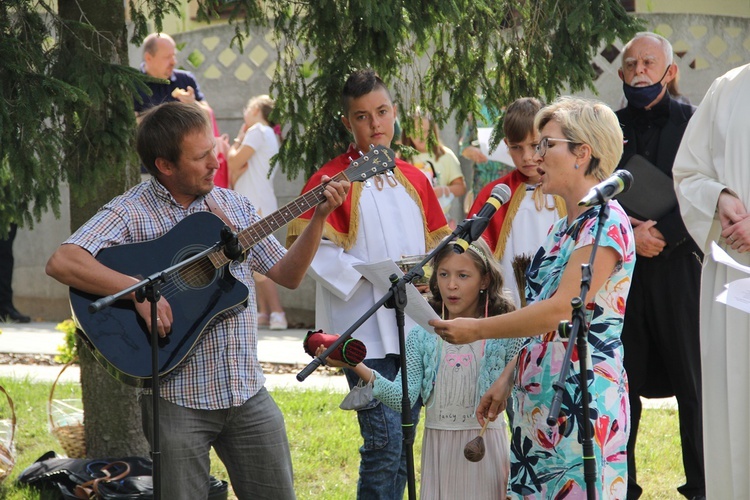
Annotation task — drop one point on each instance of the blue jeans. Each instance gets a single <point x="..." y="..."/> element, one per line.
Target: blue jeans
<point x="382" y="466"/>
<point x="249" y="439"/>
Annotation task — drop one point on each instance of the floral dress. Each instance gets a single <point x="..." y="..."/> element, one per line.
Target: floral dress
<point x="546" y="462"/>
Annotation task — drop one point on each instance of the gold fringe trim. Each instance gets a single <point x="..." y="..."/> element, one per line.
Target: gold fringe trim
<point x="343" y="240"/>
<point x="436" y="237"/>
<point x="515" y="203"/>
<point x="560" y="206"/>
<point x="294" y="229"/>
<point x="431" y="238"/>
<point x="346" y="240"/>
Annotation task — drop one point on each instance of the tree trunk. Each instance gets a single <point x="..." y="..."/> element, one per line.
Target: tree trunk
<point x="111" y="411"/>
<point x="112" y="414"/>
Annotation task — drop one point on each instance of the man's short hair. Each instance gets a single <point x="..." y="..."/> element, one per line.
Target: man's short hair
<point x="162" y="130"/>
<point x="150" y="42"/>
<point x="359" y="83"/>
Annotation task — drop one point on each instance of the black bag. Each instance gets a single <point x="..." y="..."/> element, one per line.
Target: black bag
<point x="126" y="478"/>
<point x="652" y="195"/>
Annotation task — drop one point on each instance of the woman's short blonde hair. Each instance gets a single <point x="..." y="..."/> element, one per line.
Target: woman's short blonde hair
<point x="587" y="121"/>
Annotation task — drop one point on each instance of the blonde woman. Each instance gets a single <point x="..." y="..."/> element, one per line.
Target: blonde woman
<point x="580" y="143"/>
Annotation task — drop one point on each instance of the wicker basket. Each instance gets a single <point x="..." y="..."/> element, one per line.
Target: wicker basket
<point x="66" y="421"/>
<point x="7" y="433"/>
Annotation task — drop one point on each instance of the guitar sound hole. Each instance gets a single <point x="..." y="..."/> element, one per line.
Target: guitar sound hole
<point x="196" y="275"/>
<point x="199" y="278"/>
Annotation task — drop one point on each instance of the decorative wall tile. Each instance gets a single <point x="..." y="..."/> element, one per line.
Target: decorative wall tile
<point x="227" y="57"/>
<point x="243" y="72"/>
<point x="211" y="42"/>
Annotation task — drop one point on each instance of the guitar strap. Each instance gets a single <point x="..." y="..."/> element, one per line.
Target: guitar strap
<point x="216" y="210"/>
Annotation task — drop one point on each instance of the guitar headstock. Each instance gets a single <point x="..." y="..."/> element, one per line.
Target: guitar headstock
<point x="377" y="160"/>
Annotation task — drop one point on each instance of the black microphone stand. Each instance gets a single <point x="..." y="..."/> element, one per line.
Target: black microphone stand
<point x="396" y="299"/>
<point x="579" y="328"/>
<point x="150" y="289"/>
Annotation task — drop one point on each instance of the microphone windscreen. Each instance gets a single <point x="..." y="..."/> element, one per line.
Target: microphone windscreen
<point x="352" y="351"/>
<point x="627" y="179"/>
<point x="502" y="192"/>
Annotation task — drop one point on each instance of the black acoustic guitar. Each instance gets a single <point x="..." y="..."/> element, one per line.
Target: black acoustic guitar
<point x="197" y="293"/>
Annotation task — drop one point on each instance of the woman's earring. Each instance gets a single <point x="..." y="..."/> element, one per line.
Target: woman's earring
<point x="577" y="166"/>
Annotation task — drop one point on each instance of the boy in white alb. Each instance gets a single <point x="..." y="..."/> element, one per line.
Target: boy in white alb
<point x="387" y="217"/>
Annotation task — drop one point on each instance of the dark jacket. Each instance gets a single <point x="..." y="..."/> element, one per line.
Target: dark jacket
<point x="671" y="225"/>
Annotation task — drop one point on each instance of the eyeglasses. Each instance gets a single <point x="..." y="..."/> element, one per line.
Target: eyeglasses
<point x="541" y="148"/>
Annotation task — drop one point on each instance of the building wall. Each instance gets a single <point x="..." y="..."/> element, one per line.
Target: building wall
<point x="732" y="8"/>
<point x="706" y="47"/>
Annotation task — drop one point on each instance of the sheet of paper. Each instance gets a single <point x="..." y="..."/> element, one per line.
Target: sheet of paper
<point x="722" y="257"/>
<point x="417" y="307"/>
<point x="500" y="153"/>
<point x="737" y="293"/>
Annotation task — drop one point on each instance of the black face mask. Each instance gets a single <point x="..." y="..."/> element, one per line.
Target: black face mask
<point x="640" y="97"/>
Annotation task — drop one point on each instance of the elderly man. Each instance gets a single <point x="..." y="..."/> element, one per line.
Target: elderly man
<point x="660" y="334"/>
<point x="159" y="61"/>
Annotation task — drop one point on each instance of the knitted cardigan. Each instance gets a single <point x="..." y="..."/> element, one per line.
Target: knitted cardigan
<point x="422" y="360"/>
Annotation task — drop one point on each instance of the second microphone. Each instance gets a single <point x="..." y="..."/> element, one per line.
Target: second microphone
<point x="477" y="224"/>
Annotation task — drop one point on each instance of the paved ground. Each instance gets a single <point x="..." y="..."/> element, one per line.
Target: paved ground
<point x="281" y="350"/>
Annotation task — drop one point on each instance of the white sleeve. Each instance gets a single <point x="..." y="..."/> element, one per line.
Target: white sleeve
<point x="695" y="176"/>
<point x="332" y="268"/>
<point x="254" y="137"/>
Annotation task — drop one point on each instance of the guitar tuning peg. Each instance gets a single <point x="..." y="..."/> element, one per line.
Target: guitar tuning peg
<point x="368" y="183"/>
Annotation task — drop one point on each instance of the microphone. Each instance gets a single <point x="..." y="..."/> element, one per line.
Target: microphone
<point x="600" y="194"/>
<point x="499" y="196"/>
<point x="352" y="351"/>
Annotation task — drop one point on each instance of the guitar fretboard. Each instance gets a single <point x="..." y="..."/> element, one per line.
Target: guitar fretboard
<point x="281" y="217"/>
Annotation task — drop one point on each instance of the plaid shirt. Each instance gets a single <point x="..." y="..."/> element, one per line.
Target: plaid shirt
<point x="223" y="369"/>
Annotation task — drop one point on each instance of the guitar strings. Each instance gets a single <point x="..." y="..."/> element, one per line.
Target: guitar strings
<point x="204" y="271"/>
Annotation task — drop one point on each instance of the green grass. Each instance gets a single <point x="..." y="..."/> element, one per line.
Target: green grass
<point x="324" y="442"/>
<point x="658" y="455"/>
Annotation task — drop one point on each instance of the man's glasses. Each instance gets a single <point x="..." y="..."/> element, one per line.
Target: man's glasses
<point x="541" y="148"/>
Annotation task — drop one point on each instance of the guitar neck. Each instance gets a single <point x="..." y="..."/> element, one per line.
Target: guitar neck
<point x="278" y="219"/>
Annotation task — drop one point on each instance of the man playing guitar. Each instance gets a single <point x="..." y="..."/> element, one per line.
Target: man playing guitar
<point x="216" y="397"/>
